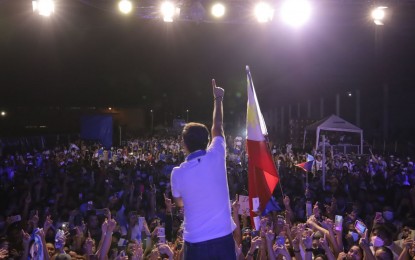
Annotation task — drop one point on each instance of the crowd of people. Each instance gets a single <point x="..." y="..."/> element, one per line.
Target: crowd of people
<point x="82" y="201"/>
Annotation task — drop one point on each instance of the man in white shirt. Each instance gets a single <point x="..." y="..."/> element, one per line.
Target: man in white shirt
<point x="200" y="186"/>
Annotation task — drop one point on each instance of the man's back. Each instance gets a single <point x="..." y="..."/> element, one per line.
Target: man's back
<point x="202" y="184"/>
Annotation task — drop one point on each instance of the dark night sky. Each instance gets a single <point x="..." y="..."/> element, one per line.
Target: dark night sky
<point x="89" y="56"/>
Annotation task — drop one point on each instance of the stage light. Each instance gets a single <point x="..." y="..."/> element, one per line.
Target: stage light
<point x="168" y="11"/>
<point x="125" y="6"/>
<point x="44" y="7"/>
<point x="218" y="10"/>
<point x="3" y="113"/>
<point x="379" y="14"/>
<point x="263" y="12"/>
<point x="296" y="12"/>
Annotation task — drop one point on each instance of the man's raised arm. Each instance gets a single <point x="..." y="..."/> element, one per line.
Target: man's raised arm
<point x="217" y="124"/>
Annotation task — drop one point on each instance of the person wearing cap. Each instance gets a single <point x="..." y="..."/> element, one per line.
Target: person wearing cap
<point x="200" y="185"/>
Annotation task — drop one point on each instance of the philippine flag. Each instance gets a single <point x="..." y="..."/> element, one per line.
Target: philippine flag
<point x="306" y="166"/>
<point x="262" y="173"/>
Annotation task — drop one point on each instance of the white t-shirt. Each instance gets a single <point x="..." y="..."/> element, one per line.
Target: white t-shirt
<point x="203" y="185"/>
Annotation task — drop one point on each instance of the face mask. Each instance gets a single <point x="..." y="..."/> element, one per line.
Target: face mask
<point x="388" y="215"/>
<point x="376" y="241"/>
<point x="354" y="235"/>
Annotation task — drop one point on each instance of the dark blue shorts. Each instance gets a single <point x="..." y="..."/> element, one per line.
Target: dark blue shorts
<point x="221" y="248"/>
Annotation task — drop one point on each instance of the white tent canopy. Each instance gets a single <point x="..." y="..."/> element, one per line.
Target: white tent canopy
<point x="333" y="123"/>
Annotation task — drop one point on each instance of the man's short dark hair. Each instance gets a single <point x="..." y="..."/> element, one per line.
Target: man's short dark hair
<point x="195" y="136"/>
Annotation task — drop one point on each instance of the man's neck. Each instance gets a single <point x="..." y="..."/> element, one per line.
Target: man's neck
<point x="195" y="154"/>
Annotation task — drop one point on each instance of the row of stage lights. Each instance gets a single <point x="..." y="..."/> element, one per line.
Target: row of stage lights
<point x="292" y="12"/>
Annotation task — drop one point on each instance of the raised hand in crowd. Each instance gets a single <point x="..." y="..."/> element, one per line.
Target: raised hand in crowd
<point x="296" y="247"/>
<point x="137" y="251"/>
<point x="308" y="244"/>
<point x="270" y="236"/>
<point x="256" y="244"/>
<point x="364" y="243"/>
<point x="4" y="253"/>
<point x="342" y="256"/>
<point x="289" y="214"/>
<point x="408" y="251"/>
<point x="280" y="250"/>
<point x="48" y="224"/>
<point x="89" y="246"/>
<point x="237" y="235"/>
<point x="105" y="242"/>
<point x="121" y="256"/>
<point x="164" y="249"/>
<point x="238" y="252"/>
<point x="168" y="203"/>
<point x="26" y="244"/>
<point x="325" y="246"/>
<point x="34" y="220"/>
<point x="27" y="201"/>
<point x="244" y="217"/>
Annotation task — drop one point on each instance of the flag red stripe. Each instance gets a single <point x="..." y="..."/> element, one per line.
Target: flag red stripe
<point x="262" y="174"/>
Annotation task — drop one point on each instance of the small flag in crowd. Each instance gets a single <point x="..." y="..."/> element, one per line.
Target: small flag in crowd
<point x="306" y="166"/>
<point x="262" y="174"/>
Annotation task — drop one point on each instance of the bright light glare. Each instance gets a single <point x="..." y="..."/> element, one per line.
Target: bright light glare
<point x="378" y="15"/>
<point x="3" y="113"/>
<point x="167" y="10"/>
<point x="44" y="7"/>
<point x="264" y="12"/>
<point x="218" y="10"/>
<point x="296" y="12"/>
<point x="125" y="6"/>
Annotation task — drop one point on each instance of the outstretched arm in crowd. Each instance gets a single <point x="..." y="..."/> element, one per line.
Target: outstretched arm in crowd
<point x="263" y="250"/>
<point x="324" y="244"/>
<point x="152" y="200"/>
<point x="137" y="251"/>
<point x="364" y="244"/>
<point x="289" y="214"/>
<point x="78" y="239"/>
<point x="334" y="238"/>
<point x="327" y="230"/>
<point x="296" y="248"/>
<point x="27" y="201"/>
<point x="89" y="244"/>
<point x="107" y="237"/>
<point x="217" y="124"/>
<point x="280" y="251"/>
<point x="255" y="244"/>
<point x="169" y="218"/>
<point x="269" y="236"/>
<point x="164" y="249"/>
<point x="308" y="244"/>
<point x="33" y="222"/>
<point x="41" y="234"/>
<point x="26" y="244"/>
<point x="131" y="189"/>
<point x="407" y="245"/>
<point x="235" y="215"/>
